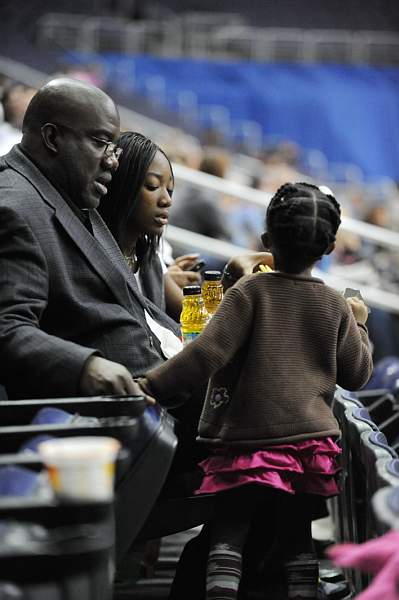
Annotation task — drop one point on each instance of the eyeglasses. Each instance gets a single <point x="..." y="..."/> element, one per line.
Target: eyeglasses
<point x="109" y="148"/>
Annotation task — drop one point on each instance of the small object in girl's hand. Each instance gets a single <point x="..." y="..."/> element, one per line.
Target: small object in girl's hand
<point x="351" y="293"/>
<point x="265" y="269"/>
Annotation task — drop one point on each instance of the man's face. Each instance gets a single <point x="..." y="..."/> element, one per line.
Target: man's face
<point x="87" y="168"/>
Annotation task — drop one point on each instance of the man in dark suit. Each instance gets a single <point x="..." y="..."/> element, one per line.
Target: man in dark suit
<point x="71" y="316"/>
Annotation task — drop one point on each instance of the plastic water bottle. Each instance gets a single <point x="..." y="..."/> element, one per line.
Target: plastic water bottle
<point x="194" y="315"/>
<point x="212" y="290"/>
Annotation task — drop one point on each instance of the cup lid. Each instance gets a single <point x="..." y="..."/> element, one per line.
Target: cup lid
<point x="191" y="290"/>
<point x="212" y="275"/>
<point x="78" y="448"/>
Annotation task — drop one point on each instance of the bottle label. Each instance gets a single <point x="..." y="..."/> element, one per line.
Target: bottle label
<point x="189" y="337"/>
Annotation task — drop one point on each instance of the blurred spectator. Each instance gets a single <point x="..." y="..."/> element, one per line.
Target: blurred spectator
<point x="196" y="208"/>
<point x="8" y="135"/>
<point x="88" y="73"/>
<point x="281" y="165"/>
<point x="245" y="220"/>
<point x="15" y="102"/>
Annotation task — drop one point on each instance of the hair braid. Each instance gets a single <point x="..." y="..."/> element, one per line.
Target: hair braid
<point x="302" y="221"/>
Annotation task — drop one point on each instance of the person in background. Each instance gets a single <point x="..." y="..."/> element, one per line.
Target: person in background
<point x="273" y="352"/>
<point x="197" y="209"/>
<point x="15" y="99"/>
<point x="9" y="135"/>
<point x="136" y="210"/>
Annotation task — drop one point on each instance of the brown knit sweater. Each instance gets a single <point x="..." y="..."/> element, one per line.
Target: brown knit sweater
<point x="274" y="351"/>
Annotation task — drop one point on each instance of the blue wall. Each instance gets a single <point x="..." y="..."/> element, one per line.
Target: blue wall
<point x="350" y="113"/>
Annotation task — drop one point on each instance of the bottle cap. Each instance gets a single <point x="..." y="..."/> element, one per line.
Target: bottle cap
<point x="191" y="290"/>
<point x="212" y="275"/>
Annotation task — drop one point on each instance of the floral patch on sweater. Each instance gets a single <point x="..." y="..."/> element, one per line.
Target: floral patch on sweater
<point x="219" y="396"/>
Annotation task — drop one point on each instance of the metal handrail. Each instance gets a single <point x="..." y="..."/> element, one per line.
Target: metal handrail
<point x="384" y="237"/>
<point x="220" y="38"/>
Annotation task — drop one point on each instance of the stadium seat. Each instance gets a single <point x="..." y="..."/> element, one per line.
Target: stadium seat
<point x="385" y="374"/>
<point x="342" y="401"/>
<point x="373" y="448"/>
<point x="390" y="427"/>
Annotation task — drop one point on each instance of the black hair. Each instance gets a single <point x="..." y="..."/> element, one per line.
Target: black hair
<point x="302" y="221"/>
<point x="117" y="208"/>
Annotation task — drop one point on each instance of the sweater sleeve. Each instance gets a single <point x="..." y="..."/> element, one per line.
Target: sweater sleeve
<point x="213" y="349"/>
<point x="354" y="360"/>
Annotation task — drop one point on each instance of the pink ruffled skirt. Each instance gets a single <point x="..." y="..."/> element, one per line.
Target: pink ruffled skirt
<point x="310" y="466"/>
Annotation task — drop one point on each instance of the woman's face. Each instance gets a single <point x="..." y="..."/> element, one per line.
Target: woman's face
<point x="152" y="211"/>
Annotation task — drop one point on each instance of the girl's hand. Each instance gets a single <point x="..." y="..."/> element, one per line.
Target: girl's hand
<point x="144" y="388"/>
<point x="359" y="309"/>
<point x="245" y="264"/>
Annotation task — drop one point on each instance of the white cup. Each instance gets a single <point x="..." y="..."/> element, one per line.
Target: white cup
<point x="81" y="467"/>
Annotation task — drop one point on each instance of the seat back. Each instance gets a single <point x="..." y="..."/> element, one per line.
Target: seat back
<point x="374" y="448"/>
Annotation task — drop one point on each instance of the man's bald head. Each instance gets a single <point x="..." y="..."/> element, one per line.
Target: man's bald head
<point x="67" y="131"/>
<point x="65" y="101"/>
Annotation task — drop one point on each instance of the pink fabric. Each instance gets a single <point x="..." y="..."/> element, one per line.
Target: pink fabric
<point x="380" y="557"/>
<point x="308" y="466"/>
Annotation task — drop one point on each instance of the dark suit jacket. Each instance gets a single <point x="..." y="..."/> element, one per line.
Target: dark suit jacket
<point x="64" y="294"/>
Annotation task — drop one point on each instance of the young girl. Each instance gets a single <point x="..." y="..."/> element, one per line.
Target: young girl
<point x="274" y="351"/>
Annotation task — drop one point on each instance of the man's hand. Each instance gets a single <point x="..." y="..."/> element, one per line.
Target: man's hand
<point x="104" y="377"/>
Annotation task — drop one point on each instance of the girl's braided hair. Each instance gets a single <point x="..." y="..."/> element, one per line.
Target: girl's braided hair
<point x="302" y="221"/>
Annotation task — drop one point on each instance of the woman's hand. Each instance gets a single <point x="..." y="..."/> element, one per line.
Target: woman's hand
<point x="359" y="309"/>
<point x="186" y="262"/>
<point x="183" y="278"/>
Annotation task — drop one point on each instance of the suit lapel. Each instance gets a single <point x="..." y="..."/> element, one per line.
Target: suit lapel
<point x="101" y="251"/>
<point x="112" y="250"/>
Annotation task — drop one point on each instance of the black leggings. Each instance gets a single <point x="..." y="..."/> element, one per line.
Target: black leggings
<point x="280" y="529"/>
<point x="265" y="511"/>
